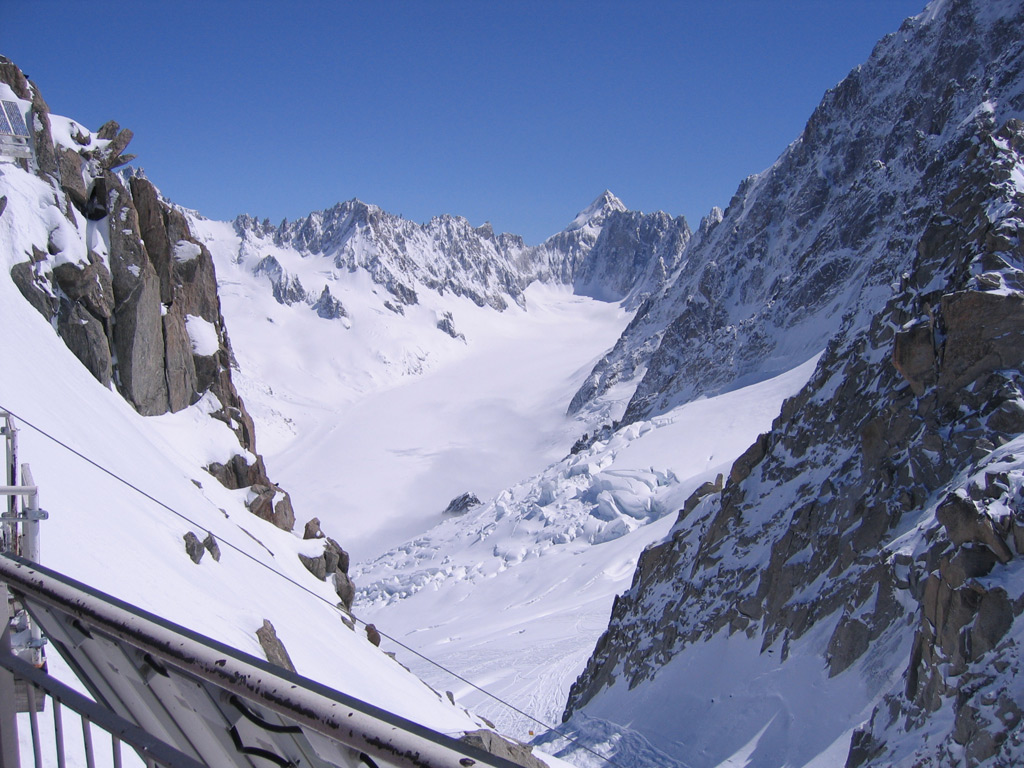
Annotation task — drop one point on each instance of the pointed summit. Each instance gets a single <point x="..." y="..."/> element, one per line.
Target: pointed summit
<point x="595" y="213"/>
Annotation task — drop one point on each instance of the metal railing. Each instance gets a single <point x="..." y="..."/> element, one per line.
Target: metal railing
<point x="41" y="686"/>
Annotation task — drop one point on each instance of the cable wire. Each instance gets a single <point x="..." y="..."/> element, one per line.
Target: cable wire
<point x="307" y="590"/>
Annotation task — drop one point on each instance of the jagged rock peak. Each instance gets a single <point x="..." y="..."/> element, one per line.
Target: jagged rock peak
<point x="821" y="233"/>
<point x="595" y="214"/>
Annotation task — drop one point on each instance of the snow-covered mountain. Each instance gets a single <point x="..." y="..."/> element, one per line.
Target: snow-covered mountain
<point x="820" y="237"/>
<point x="117" y="348"/>
<point x="789" y="439"/>
<point x="606" y="251"/>
<point x="852" y="595"/>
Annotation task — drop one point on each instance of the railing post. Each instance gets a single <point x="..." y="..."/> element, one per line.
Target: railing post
<point x="58" y="731"/>
<point x="10" y="756"/>
<point x="31" y="525"/>
<point x="11" y="478"/>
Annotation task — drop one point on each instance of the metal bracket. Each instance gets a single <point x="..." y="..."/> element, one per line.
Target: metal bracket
<point x="28" y="515"/>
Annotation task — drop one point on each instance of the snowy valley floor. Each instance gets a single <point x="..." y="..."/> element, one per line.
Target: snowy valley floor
<point x="374" y="425"/>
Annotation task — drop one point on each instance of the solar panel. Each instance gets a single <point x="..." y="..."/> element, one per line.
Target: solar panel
<point x="5" y="126"/>
<point x="17" y="122"/>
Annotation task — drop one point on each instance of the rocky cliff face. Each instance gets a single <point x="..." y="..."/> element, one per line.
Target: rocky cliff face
<point x="825" y="230"/>
<point x="877" y="528"/>
<point x="131" y="292"/>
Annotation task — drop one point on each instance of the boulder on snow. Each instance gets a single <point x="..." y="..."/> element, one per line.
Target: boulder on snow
<point x="345" y="589"/>
<point x="447" y="324"/>
<point x="373" y="634"/>
<point x="210" y="545"/>
<point x="194" y="547"/>
<point x="273" y="647"/>
<point x="493" y="744"/>
<point x="312" y="529"/>
<point x="262" y="504"/>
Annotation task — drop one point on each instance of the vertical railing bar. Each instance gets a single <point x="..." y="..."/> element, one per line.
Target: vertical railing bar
<point x="90" y="760"/>
<point x="116" y="746"/>
<point x="10" y="756"/>
<point x="58" y="734"/>
<point x="33" y="719"/>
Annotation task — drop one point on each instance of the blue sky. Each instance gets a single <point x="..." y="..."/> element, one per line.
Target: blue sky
<point x="519" y="113"/>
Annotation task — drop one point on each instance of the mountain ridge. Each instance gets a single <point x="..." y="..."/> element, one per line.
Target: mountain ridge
<point x="872" y="529"/>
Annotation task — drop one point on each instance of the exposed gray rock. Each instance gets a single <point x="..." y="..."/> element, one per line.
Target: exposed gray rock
<point x="108" y="130"/>
<point x="492" y="743"/>
<point x="89" y="284"/>
<point x="210" y="545"/>
<point x="35" y="289"/>
<point x="138" y="322"/>
<point x="373" y="635"/>
<point x="273" y="647"/>
<point x="312" y="529"/>
<point x="461" y="504"/>
<point x="42" y="137"/>
<point x="12" y="75"/>
<point x="315" y="565"/>
<point x="69" y="168"/>
<point x="264" y="506"/>
<point x="345" y="589"/>
<point x="96" y="207"/>
<point x="194" y="547"/>
<point x="328" y="307"/>
<point x="86" y="337"/>
<point x="182" y="379"/>
<point x="238" y="472"/>
<point x="447" y="324"/>
<point x="110" y="157"/>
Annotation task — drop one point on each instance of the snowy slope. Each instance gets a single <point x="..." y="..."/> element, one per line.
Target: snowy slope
<point x="111" y="537"/>
<point x="375" y="424"/>
<point x="853" y="594"/>
<point x="515" y="592"/>
<point x="822" y="233"/>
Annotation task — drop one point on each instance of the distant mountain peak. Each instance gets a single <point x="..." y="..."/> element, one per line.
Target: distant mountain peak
<point x="595" y="213"/>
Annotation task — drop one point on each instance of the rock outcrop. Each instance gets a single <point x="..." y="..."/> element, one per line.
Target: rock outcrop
<point x="139" y="307"/>
<point x="823" y="232"/>
<point x="876" y="529"/>
<point x="332" y="563"/>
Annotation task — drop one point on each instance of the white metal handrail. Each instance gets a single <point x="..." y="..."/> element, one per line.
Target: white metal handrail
<point x="161" y="665"/>
<point x="153" y="751"/>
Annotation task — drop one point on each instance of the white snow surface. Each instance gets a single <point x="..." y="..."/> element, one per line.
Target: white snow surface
<point x="203" y="336"/>
<point x="110" y="537"/>
<point x="515" y="593"/>
<point x="374" y="427"/>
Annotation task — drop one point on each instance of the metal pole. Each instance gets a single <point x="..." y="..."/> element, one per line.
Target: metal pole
<point x="58" y="734"/>
<point x="87" y="738"/>
<point x="10" y="757"/>
<point x="10" y="477"/>
<point x="116" y="744"/>
<point x="31" y="525"/>
<point x="33" y="719"/>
